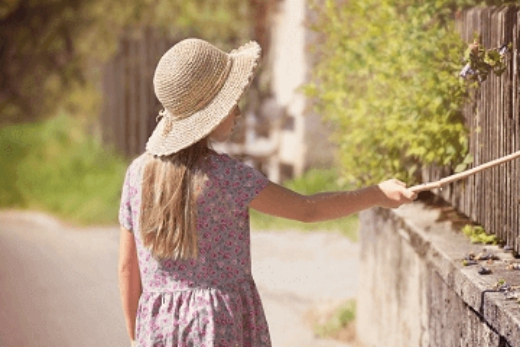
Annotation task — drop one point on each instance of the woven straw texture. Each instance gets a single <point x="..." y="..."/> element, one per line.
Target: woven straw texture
<point x="198" y="85"/>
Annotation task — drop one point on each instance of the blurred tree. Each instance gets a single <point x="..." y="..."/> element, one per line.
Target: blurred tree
<point x="47" y="46"/>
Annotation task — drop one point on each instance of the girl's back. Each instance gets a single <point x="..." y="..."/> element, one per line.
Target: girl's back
<point x="210" y="301"/>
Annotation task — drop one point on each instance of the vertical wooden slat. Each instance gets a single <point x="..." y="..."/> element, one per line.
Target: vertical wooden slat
<point x="503" y="103"/>
<point x="106" y="119"/>
<point x="153" y="58"/>
<point x="515" y="121"/>
<point x="512" y="69"/>
<point x="144" y="83"/>
<point x="120" y="69"/>
<point x="112" y="77"/>
<point x="497" y="117"/>
<point x="500" y="181"/>
<point x="132" y="96"/>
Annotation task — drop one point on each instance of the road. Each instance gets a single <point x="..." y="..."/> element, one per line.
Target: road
<point x="59" y="283"/>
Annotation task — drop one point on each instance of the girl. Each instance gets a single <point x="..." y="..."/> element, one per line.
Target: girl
<point x="184" y="267"/>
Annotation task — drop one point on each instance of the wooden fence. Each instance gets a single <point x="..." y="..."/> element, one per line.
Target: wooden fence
<point x="491" y="198"/>
<point x="129" y="104"/>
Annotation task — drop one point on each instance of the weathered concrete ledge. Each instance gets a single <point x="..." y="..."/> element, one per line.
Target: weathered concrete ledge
<point x="415" y="291"/>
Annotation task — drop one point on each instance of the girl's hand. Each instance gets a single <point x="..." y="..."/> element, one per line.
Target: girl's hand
<point x="394" y="193"/>
<point x="133" y="343"/>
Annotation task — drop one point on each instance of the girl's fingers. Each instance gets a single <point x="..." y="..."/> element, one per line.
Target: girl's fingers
<point x="410" y="194"/>
<point x="406" y="192"/>
<point x="400" y="183"/>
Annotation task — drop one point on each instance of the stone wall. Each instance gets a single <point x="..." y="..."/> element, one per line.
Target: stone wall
<point x="414" y="290"/>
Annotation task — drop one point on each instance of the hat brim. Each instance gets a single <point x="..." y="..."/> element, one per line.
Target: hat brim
<point x="184" y="132"/>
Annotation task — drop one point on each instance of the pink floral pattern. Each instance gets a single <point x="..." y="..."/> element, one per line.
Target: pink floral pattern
<point x="211" y="301"/>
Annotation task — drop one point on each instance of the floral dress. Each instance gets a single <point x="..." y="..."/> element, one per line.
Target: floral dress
<point x="211" y="301"/>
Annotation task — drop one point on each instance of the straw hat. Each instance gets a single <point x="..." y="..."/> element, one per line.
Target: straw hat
<point x="198" y="85"/>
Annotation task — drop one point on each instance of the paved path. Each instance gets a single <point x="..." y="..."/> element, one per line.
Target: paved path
<point x="58" y="284"/>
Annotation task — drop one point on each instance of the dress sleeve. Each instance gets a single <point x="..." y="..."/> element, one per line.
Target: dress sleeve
<point x="247" y="182"/>
<point x="125" y="207"/>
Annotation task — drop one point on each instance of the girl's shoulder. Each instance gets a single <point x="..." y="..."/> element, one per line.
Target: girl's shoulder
<point x="224" y="161"/>
<point x="223" y="157"/>
<point x="136" y="166"/>
<point x="232" y="168"/>
<point x="140" y="161"/>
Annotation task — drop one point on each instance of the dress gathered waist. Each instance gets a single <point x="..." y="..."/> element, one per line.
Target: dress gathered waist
<point x="202" y="286"/>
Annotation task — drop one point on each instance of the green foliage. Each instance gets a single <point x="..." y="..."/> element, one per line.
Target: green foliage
<point x="54" y="166"/>
<point x="344" y="315"/>
<point x="387" y="77"/>
<point x="316" y="181"/>
<point x="469" y="159"/>
<point x="478" y="235"/>
<point x="225" y="23"/>
<point x="482" y="61"/>
<point x="347" y="226"/>
<point x="51" y="47"/>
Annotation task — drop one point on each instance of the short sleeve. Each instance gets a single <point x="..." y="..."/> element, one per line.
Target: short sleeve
<point x="247" y="182"/>
<point x="125" y="206"/>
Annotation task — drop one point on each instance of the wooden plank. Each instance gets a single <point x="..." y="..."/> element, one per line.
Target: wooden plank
<point x="516" y="118"/>
<point x="503" y="218"/>
<point x="111" y="90"/>
<point x="105" y="119"/>
<point x="508" y="102"/>
<point x="504" y="173"/>
<point x="121" y="131"/>
<point x="494" y="208"/>
<point x="500" y="100"/>
<point x="133" y="97"/>
<point x="513" y="221"/>
<point x="143" y="93"/>
<point x="153" y="106"/>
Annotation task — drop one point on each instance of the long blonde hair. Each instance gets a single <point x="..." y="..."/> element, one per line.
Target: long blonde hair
<point x="168" y="211"/>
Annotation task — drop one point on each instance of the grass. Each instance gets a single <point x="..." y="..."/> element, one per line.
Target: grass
<point x="56" y="167"/>
<point x="313" y="181"/>
<point x="340" y="324"/>
<point x="477" y="234"/>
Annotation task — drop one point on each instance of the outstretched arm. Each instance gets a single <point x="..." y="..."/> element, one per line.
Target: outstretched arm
<point x="129" y="279"/>
<point x="278" y="201"/>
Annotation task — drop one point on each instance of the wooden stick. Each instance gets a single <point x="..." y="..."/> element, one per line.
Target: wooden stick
<point x="464" y="174"/>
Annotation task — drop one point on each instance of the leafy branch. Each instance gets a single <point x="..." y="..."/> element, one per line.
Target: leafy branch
<point x="480" y="61"/>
